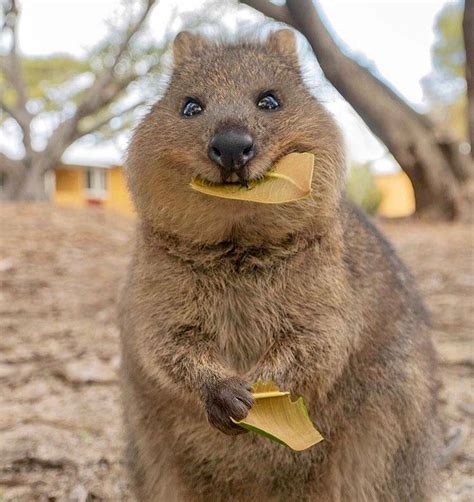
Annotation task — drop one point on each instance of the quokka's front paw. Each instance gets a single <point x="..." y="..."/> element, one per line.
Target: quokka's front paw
<point x="228" y="398"/>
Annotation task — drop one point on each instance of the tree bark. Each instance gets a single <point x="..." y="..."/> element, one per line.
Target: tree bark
<point x="468" y="30"/>
<point x="21" y="182"/>
<point x="436" y="168"/>
<point x="12" y="175"/>
<point x="32" y="187"/>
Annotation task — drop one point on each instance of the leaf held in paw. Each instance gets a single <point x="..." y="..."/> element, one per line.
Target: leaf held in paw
<point x="276" y="417"/>
<point x="289" y="180"/>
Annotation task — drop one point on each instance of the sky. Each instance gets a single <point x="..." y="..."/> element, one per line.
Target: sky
<point x="393" y="37"/>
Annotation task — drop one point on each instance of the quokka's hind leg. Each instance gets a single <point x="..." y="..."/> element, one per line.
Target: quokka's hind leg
<point x="416" y="463"/>
<point x="154" y="480"/>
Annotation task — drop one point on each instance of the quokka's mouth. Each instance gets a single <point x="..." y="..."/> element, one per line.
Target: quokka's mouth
<point x="235" y="179"/>
<point x="246" y="184"/>
<point x="288" y="180"/>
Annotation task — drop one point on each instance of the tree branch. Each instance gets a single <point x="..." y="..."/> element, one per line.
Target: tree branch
<point x="407" y="134"/>
<point x="21" y="116"/>
<point x="98" y="125"/>
<point x="468" y="30"/>
<point x="132" y="32"/>
<point x="13" y="69"/>
<point x="14" y="75"/>
<point x="102" y="91"/>
<point x="278" y="12"/>
<point x="108" y="94"/>
<point x="304" y="17"/>
<point x="9" y="110"/>
<point x="67" y="132"/>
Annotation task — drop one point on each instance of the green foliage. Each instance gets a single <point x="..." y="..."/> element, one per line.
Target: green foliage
<point x="49" y="80"/>
<point x="362" y="190"/>
<point x="49" y="72"/>
<point x="445" y="86"/>
<point x="448" y="50"/>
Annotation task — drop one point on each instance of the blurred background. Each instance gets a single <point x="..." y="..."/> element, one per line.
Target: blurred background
<point x="76" y="76"/>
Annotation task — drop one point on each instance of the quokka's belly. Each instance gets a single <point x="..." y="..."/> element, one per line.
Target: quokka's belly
<point x="239" y="462"/>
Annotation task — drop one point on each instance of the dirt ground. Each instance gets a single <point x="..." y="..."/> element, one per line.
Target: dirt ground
<point x="60" y="426"/>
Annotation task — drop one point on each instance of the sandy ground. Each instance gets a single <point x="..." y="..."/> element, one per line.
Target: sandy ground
<point x="60" y="427"/>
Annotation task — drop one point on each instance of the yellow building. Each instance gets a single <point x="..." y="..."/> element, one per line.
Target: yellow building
<point x="79" y="185"/>
<point x="398" y="198"/>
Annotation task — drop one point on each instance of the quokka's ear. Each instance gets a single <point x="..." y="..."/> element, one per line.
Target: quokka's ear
<point x="186" y="44"/>
<point x="283" y="41"/>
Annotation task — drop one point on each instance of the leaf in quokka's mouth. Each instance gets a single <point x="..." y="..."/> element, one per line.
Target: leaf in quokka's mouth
<point x="288" y="180"/>
<point x="276" y="417"/>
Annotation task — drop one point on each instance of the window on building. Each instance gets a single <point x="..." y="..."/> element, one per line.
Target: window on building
<point x="96" y="183"/>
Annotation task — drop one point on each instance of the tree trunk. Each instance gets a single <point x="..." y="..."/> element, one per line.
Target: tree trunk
<point x="12" y="173"/>
<point x="29" y="187"/>
<point x="32" y="187"/>
<point x="25" y="183"/>
<point x="438" y="171"/>
<point x="409" y="136"/>
<point x="468" y="29"/>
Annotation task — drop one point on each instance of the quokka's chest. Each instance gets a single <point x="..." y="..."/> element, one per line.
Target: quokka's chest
<point x="244" y="316"/>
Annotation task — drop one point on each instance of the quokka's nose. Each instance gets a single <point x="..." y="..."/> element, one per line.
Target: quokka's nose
<point x="231" y="150"/>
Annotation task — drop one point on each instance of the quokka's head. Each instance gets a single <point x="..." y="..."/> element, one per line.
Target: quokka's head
<point x="229" y="113"/>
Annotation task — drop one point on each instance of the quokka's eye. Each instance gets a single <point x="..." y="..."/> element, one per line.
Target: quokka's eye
<point x="192" y="107"/>
<point x="268" y="101"/>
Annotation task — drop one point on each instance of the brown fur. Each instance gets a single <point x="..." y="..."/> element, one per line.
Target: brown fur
<point x="223" y="292"/>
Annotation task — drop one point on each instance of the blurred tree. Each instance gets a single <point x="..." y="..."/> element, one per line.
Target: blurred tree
<point x="362" y="190"/>
<point x="439" y="171"/>
<point x="68" y="97"/>
<point x="468" y="31"/>
<point x="445" y="86"/>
